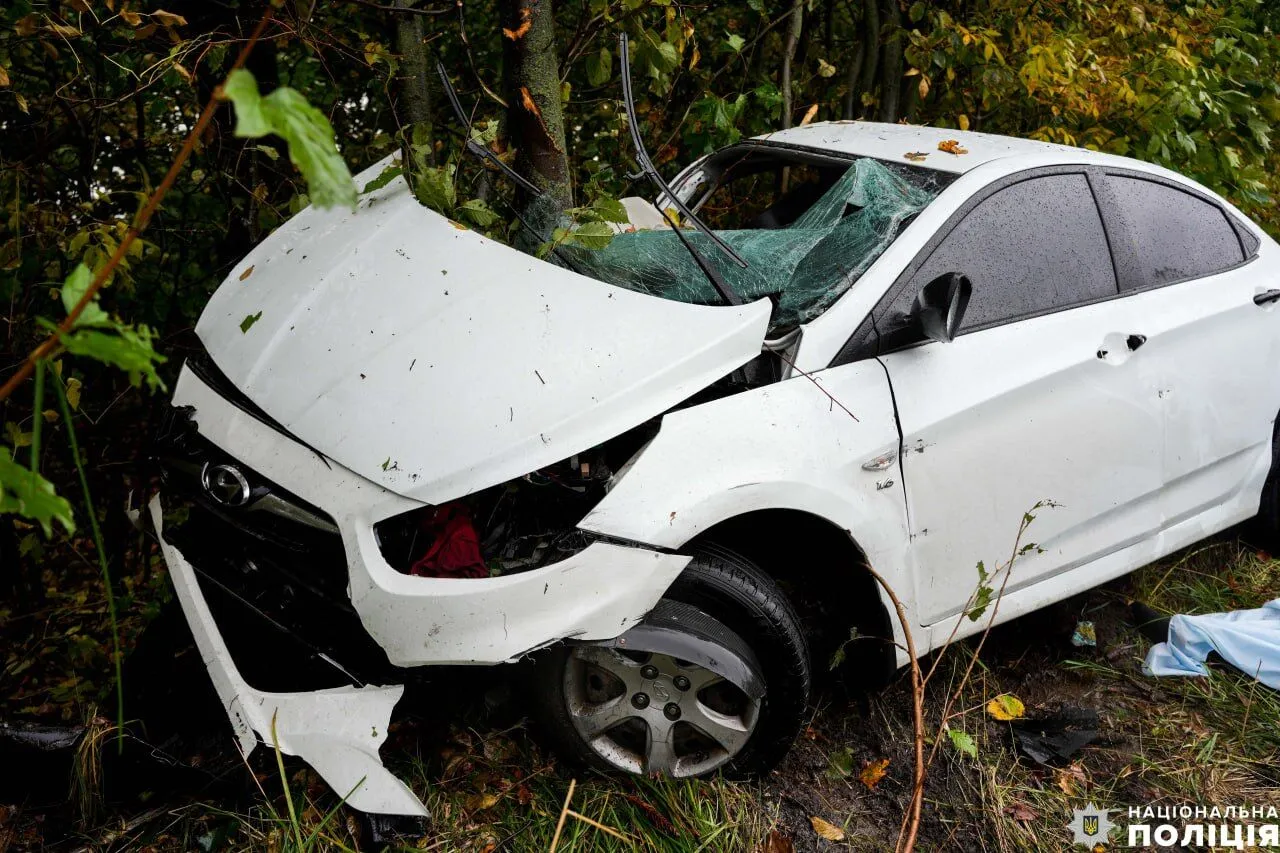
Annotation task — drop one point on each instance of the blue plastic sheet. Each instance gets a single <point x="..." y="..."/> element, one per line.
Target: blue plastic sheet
<point x="1249" y="640"/>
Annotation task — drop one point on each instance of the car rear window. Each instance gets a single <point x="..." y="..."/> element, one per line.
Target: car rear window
<point x="1174" y="235"/>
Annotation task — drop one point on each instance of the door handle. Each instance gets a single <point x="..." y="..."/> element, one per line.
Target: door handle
<point x="1266" y="298"/>
<point x="1135" y="341"/>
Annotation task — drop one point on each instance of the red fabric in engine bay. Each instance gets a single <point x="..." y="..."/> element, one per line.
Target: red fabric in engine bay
<point x="455" y="546"/>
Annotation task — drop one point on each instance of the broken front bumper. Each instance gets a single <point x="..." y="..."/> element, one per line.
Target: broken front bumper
<point x="337" y="731"/>
<point x="596" y="594"/>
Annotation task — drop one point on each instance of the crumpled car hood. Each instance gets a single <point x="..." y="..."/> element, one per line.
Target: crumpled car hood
<point x="437" y="362"/>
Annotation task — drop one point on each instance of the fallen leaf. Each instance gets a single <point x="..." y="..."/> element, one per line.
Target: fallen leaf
<point x="1006" y="706"/>
<point x="248" y="322"/>
<point x="873" y="773"/>
<point x="777" y="843"/>
<point x="247" y="272"/>
<point x="130" y="18"/>
<point x="809" y="114"/>
<point x="1068" y="776"/>
<point x="524" y="796"/>
<point x="480" y="802"/>
<point x="826" y="830"/>
<point x="1022" y="812"/>
<point x="64" y="30"/>
<point x="952" y="146"/>
<point x="916" y="156"/>
<point x="168" y="19"/>
<point x="4" y="76"/>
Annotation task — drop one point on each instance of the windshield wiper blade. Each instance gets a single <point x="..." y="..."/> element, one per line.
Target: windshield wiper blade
<point x="475" y="148"/>
<point x="647" y="169"/>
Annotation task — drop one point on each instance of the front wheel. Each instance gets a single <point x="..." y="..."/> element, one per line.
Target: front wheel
<point x="722" y="686"/>
<point x="1268" y="520"/>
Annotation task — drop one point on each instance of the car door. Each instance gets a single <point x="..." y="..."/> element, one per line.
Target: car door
<point x="1044" y="395"/>
<point x="1213" y="339"/>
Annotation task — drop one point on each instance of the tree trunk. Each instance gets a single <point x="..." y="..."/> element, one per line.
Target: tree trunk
<point x="413" y="106"/>
<point x="794" y="27"/>
<point x="535" y="119"/>
<point x="853" y="94"/>
<point x="870" y="56"/>
<point x="891" y="63"/>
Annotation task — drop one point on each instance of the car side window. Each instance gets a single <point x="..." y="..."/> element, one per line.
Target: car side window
<point x="1033" y="247"/>
<point x="1174" y="235"/>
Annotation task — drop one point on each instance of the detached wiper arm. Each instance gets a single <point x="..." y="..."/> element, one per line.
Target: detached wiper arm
<point x="475" y="148"/>
<point x="727" y="293"/>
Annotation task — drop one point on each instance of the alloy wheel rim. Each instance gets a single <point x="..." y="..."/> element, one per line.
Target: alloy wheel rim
<point x="655" y="714"/>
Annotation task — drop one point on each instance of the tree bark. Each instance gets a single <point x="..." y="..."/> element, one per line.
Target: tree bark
<point x="413" y="106"/>
<point x="891" y="63"/>
<point x="871" y="55"/>
<point x="535" y="118"/>
<point x="794" y="28"/>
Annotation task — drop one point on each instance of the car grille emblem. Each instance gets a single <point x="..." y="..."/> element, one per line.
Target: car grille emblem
<point x="225" y="484"/>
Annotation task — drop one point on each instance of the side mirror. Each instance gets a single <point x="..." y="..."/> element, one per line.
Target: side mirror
<point x="940" y="306"/>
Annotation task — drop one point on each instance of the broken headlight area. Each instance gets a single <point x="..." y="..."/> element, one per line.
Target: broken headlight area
<point x="272" y="568"/>
<point x="518" y="526"/>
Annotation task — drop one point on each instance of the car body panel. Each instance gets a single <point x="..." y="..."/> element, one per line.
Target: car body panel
<point x="596" y="594"/>
<point x="987" y="436"/>
<point x="436" y="362"/>
<point x="337" y="731"/>
<point x="783" y="446"/>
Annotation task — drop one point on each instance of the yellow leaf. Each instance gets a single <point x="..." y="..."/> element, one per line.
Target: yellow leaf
<point x="1006" y="706"/>
<point x="480" y="802"/>
<point x="50" y="416"/>
<point x="809" y="114"/>
<point x="826" y="830"/>
<point x="963" y="121"/>
<point x="168" y="19"/>
<point x="873" y="773"/>
<point x="64" y="30"/>
<point x="952" y="146"/>
<point x="130" y="18"/>
<point x="73" y="392"/>
<point x="4" y="76"/>
<point x="924" y="87"/>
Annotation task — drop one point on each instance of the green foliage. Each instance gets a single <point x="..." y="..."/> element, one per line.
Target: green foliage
<point x="963" y="743"/>
<point x="287" y="114"/>
<point x="590" y="227"/>
<point x="95" y="335"/>
<point x="25" y="493"/>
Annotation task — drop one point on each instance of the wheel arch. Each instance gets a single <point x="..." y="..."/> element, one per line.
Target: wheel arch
<point x="823" y="570"/>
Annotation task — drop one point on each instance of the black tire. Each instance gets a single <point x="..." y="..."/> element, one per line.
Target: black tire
<point x="1268" y="520"/>
<point x="735" y="592"/>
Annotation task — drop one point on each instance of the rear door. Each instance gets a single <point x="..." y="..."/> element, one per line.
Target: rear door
<point x="1214" y="339"/>
<point x="1041" y="397"/>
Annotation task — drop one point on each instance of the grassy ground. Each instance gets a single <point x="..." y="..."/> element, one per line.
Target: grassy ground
<point x="1213" y="741"/>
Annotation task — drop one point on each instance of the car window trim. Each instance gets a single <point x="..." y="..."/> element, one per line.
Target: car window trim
<point x="1248" y="254"/>
<point x="865" y="340"/>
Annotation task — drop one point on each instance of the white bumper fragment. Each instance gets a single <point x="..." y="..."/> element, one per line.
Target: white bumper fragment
<point x="337" y="731"/>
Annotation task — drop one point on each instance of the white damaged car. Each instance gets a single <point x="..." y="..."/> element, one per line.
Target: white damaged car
<point x="408" y="445"/>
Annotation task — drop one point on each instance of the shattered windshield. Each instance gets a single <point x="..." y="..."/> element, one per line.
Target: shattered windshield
<point x="807" y="230"/>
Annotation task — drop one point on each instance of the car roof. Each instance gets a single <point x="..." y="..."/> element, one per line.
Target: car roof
<point x="893" y="142"/>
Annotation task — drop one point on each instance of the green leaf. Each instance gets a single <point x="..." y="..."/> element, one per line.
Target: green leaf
<point x="433" y="187"/>
<point x="610" y="210"/>
<point x="242" y="90"/>
<point x="73" y="289"/>
<point x="477" y="212"/>
<point x="591" y="235"/>
<point x="963" y="742"/>
<point x="385" y="177"/>
<point x="599" y="67"/>
<point x="247" y="322"/>
<point x="286" y="113"/>
<point x="127" y="347"/>
<point x="24" y="492"/>
<point x="735" y="42"/>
